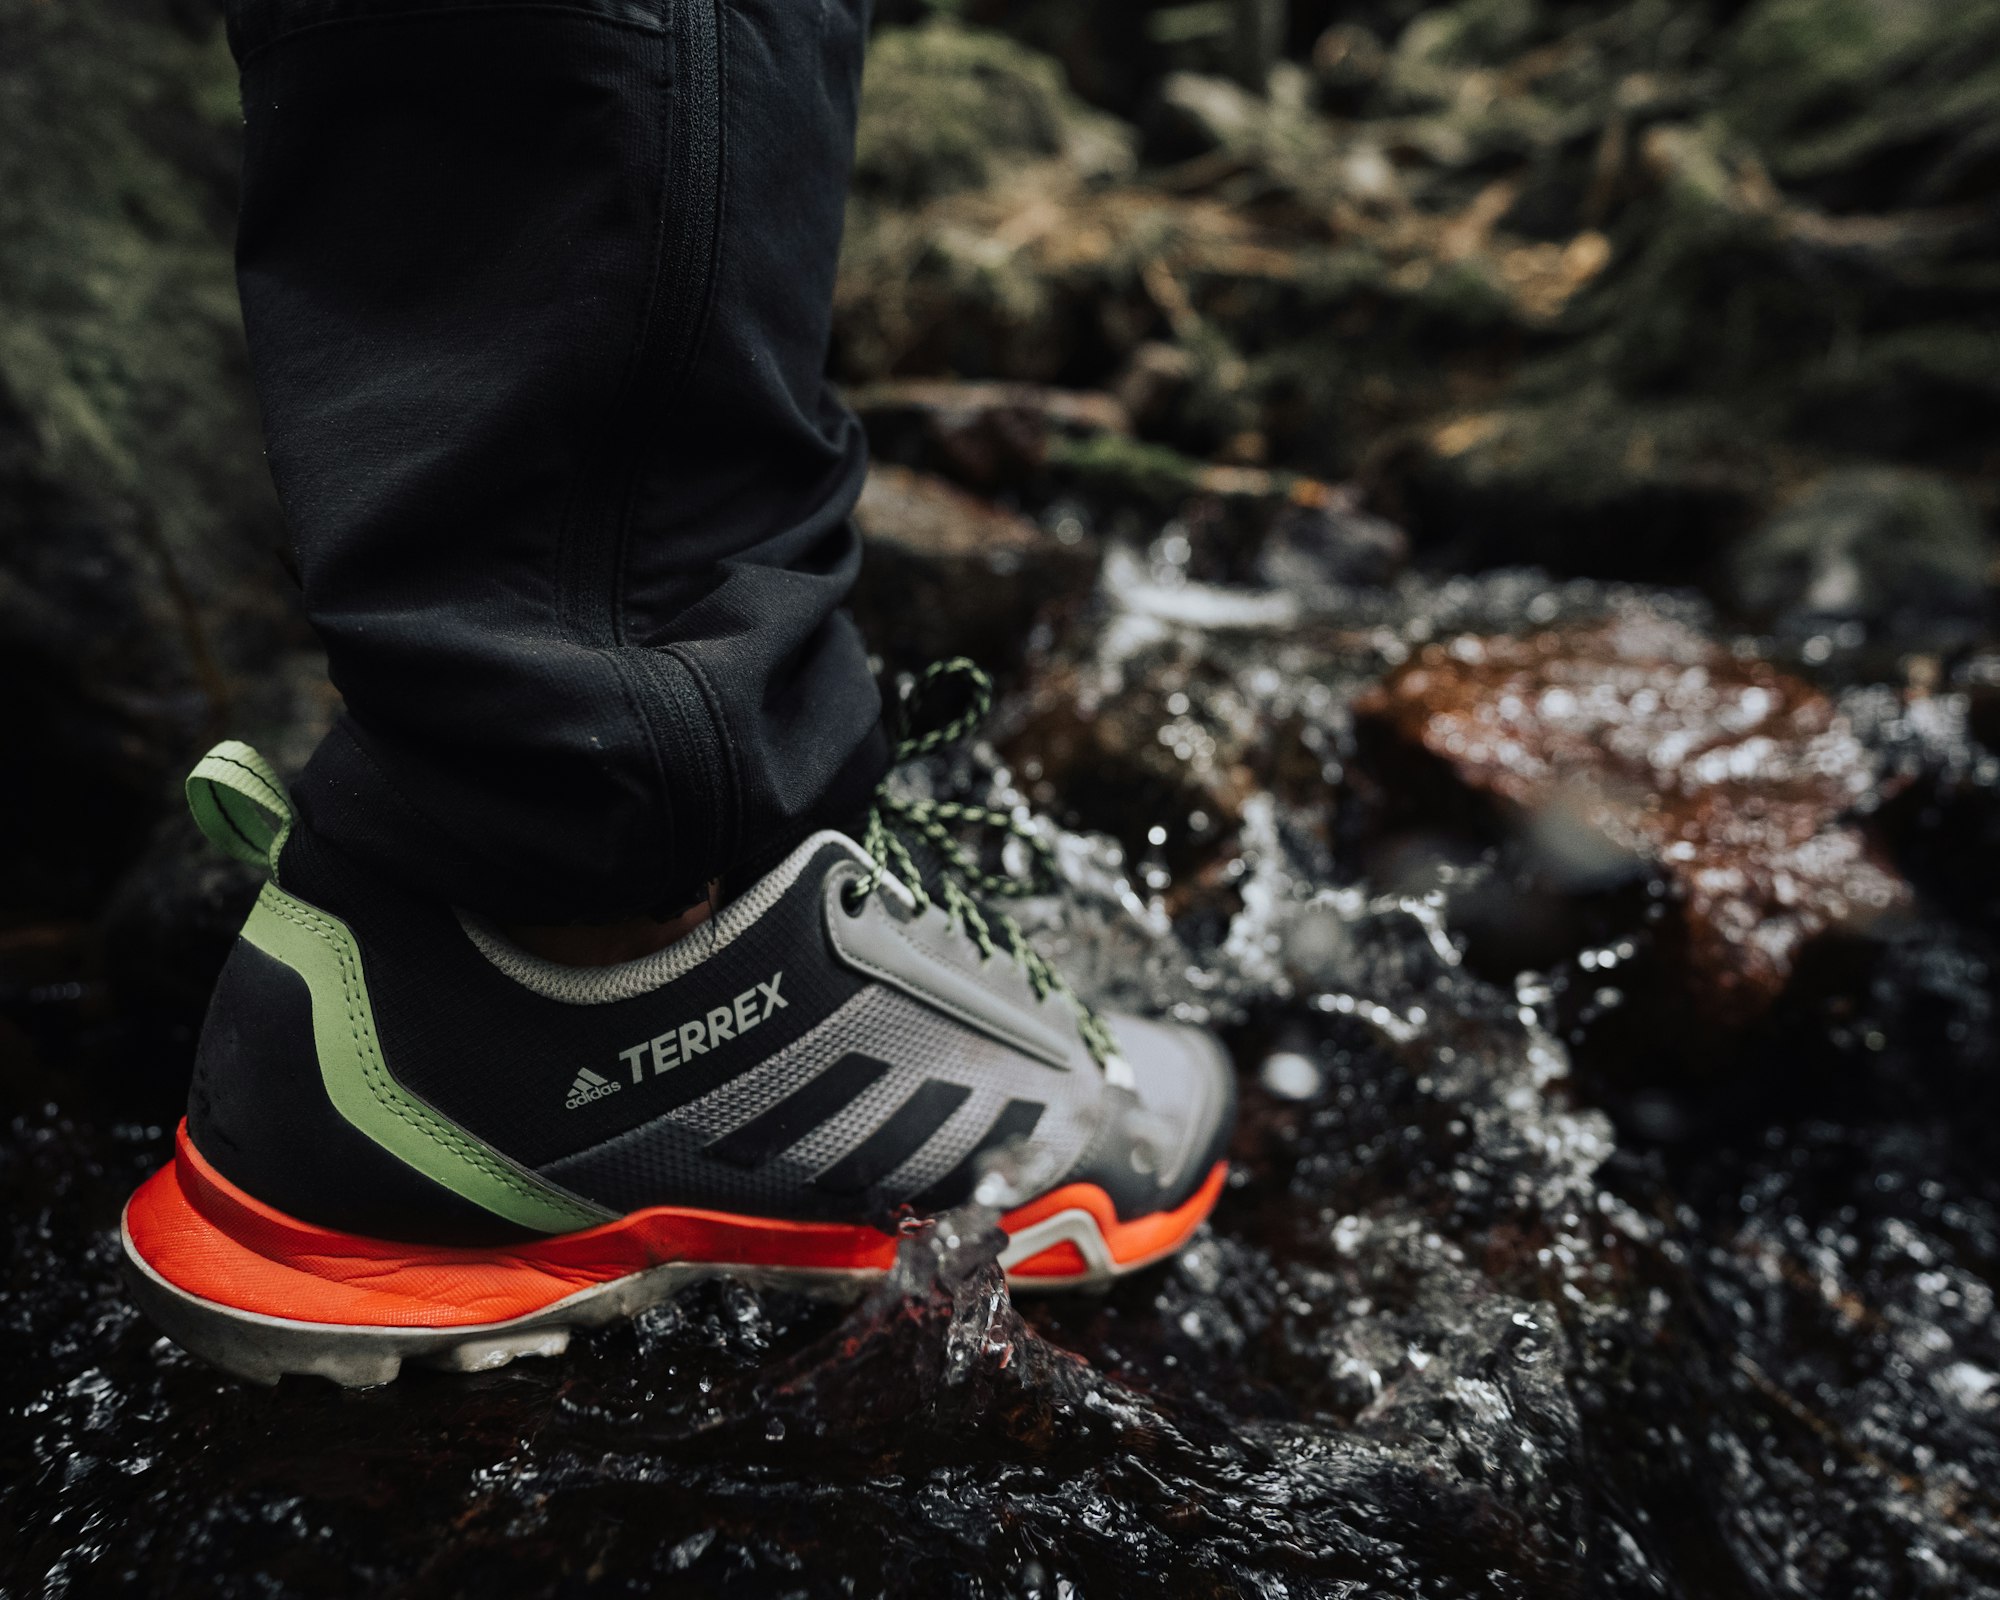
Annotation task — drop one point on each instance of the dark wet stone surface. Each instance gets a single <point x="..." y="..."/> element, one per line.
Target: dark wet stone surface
<point x="1474" y="1317"/>
<point x="1540" y="1274"/>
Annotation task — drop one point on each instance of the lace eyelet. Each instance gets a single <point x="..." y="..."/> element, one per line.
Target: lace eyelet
<point x="852" y="902"/>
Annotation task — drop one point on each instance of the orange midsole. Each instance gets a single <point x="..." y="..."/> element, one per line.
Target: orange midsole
<point x="204" y="1235"/>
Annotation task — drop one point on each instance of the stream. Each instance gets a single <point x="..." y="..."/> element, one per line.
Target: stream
<point x="1550" y="1263"/>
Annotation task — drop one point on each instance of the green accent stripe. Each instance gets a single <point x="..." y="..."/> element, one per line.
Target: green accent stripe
<point x="322" y="951"/>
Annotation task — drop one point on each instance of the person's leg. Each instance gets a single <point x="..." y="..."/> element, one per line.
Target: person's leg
<point x="538" y="300"/>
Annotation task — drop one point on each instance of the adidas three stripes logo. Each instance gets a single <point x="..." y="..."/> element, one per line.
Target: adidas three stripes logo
<point x="905" y="1130"/>
<point x="588" y="1087"/>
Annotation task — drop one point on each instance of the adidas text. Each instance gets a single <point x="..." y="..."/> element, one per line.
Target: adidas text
<point x="670" y="1049"/>
<point x="588" y="1087"/>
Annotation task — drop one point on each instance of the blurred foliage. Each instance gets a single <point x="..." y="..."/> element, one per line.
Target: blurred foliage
<point x="1602" y="287"/>
<point x="1694" y="292"/>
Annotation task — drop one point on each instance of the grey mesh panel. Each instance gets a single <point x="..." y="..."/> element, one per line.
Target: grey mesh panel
<point x="662" y="1162"/>
<point x="930" y="957"/>
<point x="1067" y="1122"/>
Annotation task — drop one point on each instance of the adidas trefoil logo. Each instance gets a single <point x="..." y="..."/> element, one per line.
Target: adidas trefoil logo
<point x="588" y="1087"/>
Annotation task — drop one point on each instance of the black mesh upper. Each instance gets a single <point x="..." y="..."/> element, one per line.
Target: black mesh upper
<point x="498" y="1058"/>
<point x="259" y="1113"/>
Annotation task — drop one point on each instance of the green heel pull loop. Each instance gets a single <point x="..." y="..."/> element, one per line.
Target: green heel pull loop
<point x="235" y="795"/>
<point x="240" y="805"/>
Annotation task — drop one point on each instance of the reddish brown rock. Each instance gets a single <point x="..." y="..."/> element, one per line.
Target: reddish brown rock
<point x="1645" y="739"/>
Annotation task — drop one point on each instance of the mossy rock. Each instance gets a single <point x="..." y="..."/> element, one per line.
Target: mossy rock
<point x="1903" y="551"/>
<point x="1872" y="103"/>
<point x="945" y="107"/>
<point x="1928" y="393"/>
<point x="1115" y="470"/>
<point x="1586" y="483"/>
<point x="141" y="590"/>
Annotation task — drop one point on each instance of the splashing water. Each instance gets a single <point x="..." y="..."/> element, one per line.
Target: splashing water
<point x="1486" y="1310"/>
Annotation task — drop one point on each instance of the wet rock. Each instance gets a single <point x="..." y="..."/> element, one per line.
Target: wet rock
<point x="1939" y="821"/>
<point x="141" y="596"/>
<point x="946" y="573"/>
<point x="1143" y="757"/>
<point x="1445" y="1335"/>
<point x="942" y="1332"/>
<point x="1155" y="734"/>
<point x="1325" y="537"/>
<point x="1652" y="745"/>
<point x="1904" y="552"/>
<point x="1233" y="516"/>
<point x="987" y="436"/>
<point x="1583" y="483"/>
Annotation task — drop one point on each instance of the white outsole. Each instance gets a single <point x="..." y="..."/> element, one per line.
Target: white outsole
<point x="262" y="1349"/>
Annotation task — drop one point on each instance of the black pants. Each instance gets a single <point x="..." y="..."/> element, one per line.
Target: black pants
<point x="538" y="299"/>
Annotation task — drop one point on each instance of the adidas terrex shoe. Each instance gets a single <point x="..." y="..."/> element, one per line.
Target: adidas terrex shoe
<point x="409" y="1139"/>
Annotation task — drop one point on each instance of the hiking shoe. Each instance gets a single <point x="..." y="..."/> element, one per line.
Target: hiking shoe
<point x="408" y="1139"/>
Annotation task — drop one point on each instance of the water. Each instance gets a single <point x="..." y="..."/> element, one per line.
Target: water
<point x="1512" y="1291"/>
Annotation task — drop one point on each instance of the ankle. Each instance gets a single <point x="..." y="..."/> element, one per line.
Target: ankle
<point x="607" y="944"/>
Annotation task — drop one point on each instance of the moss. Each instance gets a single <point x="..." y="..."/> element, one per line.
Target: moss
<point x="1903" y="549"/>
<point x="1589" y="481"/>
<point x="1871" y="102"/>
<point x="1469" y="33"/>
<point x="1121" y="468"/>
<point x="947" y="107"/>
<point x="1928" y="393"/>
<point x="138" y="584"/>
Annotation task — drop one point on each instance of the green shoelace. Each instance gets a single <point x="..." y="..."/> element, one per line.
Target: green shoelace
<point x="960" y="881"/>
